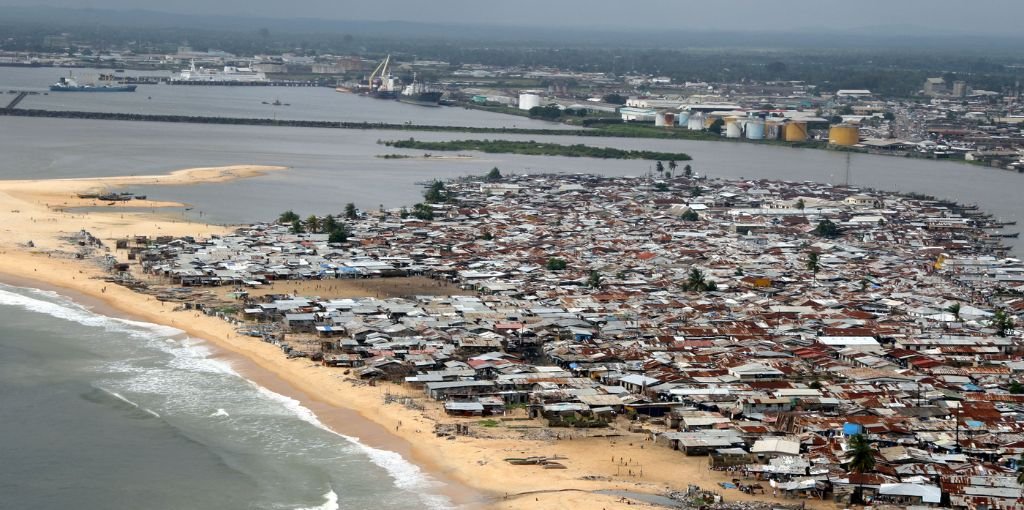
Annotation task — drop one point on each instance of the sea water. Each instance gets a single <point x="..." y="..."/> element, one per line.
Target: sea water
<point x="98" y="412"/>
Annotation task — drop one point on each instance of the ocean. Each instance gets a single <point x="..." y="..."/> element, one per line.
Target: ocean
<point x="101" y="412"/>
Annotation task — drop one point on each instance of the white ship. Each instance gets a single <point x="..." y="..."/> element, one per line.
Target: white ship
<point x="229" y="74"/>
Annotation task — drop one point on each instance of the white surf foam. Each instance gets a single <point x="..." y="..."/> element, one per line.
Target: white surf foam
<point x="220" y="412"/>
<point x="55" y="305"/>
<point x="124" y="399"/>
<point x="330" y="504"/>
<point x="190" y="355"/>
<point x="406" y="475"/>
<point x="120" y="397"/>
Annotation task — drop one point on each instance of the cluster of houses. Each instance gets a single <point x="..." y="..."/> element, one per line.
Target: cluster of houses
<point x="758" y="323"/>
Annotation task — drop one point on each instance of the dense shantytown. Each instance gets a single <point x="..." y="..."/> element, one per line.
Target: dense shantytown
<point x="828" y="341"/>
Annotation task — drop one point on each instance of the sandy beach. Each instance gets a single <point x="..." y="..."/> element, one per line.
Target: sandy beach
<point x="471" y="466"/>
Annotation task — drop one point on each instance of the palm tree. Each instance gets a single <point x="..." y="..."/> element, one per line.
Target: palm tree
<point x="697" y="282"/>
<point x="1003" y="322"/>
<point x="672" y="165"/>
<point x="813" y="264"/>
<point x="312" y="224"/>
<point x="861" y="458"/>
<point x="955" y="310"/>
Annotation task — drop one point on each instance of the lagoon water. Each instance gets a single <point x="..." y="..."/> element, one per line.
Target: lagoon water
<point x="103" y="413"/>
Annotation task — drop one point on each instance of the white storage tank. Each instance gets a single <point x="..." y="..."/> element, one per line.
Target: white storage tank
<point x="660" y="119"/>
<point x="527" y="101"/>
<point x="755" y="129"/>
<point x="682" y="118"/>
<point x="733" y="127"/>
<point x="695" y="122"/>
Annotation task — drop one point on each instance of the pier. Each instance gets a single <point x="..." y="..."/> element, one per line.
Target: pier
<point x="17" y="99"/>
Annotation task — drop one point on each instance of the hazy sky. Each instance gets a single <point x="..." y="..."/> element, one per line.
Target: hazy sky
<point x="977" y="16"/>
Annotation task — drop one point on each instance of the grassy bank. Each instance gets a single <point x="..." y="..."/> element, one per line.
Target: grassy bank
<point x="537" y="149"/>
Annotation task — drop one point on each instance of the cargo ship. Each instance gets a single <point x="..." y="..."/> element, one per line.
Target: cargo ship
<point x="382" y="84"/>
<point x="420" y="94"/>
<point x="69" y="84"/>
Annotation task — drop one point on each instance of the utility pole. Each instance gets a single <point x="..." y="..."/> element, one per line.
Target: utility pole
<point x="847" y="180"/>
<point x="958" y="427"/>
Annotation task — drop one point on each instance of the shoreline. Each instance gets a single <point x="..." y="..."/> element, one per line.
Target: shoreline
<point x="250" y="365"/>
<point x="471" y="466"/>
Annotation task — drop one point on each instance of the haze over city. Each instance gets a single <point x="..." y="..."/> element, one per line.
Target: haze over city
<point x="986" y="17"/>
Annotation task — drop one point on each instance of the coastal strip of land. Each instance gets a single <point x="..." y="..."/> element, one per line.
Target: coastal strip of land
<point x="531" y="148"/>
<point x="616" y="462"/>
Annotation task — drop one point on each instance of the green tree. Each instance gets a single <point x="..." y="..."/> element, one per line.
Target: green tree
<point x="688" y="171"/>
<point x="660" y="186"/>
<point x="955" y="310"/>
<point x="328" y="224"/>
<point x="800" y="205"/>
<point x="716" y="126"/>
<point x="312" y="224"/>
<point x="672" y="165"/>
<point x="435" y="193"/>
<point x="826" y="228"/>
<point x="339" y="234"/>
<point x="423" y="212"/>
<point x="594" y="280"/>
<point x="1020" y="470"/>
<point x="614" y="99"/>
<point x="1002" y="322"/>
<point x="889" y="116"/>
<point x="860" y="458"/>
<point x="1016" y="388"/>
<point x="696" y="281"/>
<point x="297" y="227"/>
<point x="846" y="110"/>
<point x="549" y="112"/>
<point x="403" y="212"/>
<point x="350" y="211"/>
<point x="494" y="175"/>
<point x="556" y="264"/>
<point x="659" y="167"/>
<point x="689" y="215"/>
<point x="287" y="217"/>
<point x="696" y="191"/>
<point x="813" y="264"/>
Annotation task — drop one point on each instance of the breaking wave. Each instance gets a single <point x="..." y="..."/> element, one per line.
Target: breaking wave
<point x="330" y="504"/>
<point x="406" y="475"/>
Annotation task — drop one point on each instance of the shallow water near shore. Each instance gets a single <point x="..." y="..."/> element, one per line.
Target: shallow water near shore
<point x="102" y="412"/>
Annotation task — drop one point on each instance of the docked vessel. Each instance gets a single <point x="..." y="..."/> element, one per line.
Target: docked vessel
<point x="230" y="74"/>
<point x="69" y="84"/>
<point x="382" y="84"/>
<point x="420" y="94"/>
